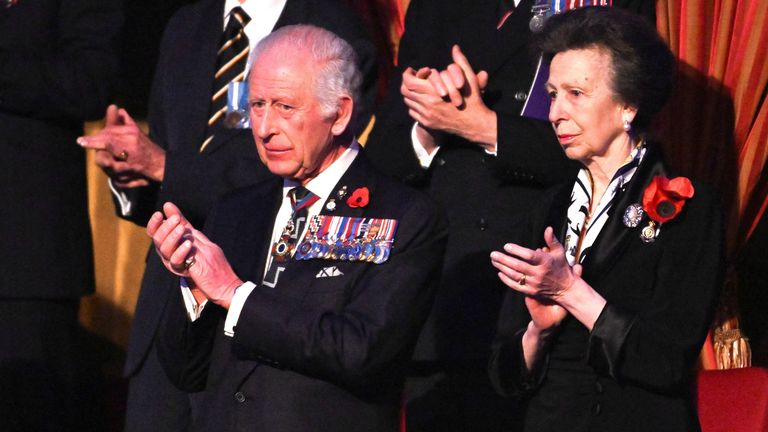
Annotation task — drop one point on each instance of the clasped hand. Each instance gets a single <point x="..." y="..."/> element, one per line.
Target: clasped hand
<point x="450" y="101"/>
<point x="187" y="252"/>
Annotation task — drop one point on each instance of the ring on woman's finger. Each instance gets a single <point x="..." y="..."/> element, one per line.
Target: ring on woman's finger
<point x="189" y="262"/>
<point x="122" y="156"/>
<point x="521" y="282"/>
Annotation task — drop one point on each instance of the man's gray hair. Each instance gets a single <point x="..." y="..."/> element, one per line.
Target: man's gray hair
<point x="336" y="61"/>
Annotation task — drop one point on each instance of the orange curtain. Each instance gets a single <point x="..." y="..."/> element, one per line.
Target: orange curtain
<point x="715" y="127"/>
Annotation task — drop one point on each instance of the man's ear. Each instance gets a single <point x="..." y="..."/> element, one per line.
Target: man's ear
<point x="343" y="115"/>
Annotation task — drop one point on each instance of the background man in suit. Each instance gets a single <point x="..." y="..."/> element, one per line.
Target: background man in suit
<point x="193" y="169"/>
<point x="317" y="338"/>
<point x="57" y="67"/>
<point x="485" y="163"/>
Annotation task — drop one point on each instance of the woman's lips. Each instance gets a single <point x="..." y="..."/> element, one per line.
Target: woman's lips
<point x="565" y="138"/>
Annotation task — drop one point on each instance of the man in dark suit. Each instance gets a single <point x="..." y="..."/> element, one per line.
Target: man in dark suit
<point x="467" y="70"/>
<point x="57" y="69"/>
<point x="193" y="173"/>
<point x="339" y="263"/>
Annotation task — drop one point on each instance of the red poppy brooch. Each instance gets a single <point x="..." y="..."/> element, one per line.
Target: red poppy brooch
<point x="359" y="198"/>
<point x="663" y="200"/>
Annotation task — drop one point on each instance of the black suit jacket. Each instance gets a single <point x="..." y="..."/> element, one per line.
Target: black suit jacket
<point x="486" y="198"/>
<point x="57" y="63"/>
<point x="179" y="107"/>
<point x="313" y="353"/>
<point x="632" y="372"/>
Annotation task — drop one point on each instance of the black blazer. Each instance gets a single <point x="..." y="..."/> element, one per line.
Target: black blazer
<point x="486" y="198"/>
<point x="633" y="371"/>
<point x="57" y="65"/>
<point x="177" y="117"/>
<point x="313" y="353"/>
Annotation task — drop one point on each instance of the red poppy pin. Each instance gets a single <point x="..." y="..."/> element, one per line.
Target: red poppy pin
<point x="663" y="200"/>
<point x="359" y="198"/>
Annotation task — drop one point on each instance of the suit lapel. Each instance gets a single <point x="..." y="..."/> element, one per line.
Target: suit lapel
<point x="615" y="236"/>
<point x="254" y="230"/>
<point x="198" y="73"/>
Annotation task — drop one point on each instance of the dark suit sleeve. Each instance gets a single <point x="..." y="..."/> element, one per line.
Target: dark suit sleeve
<point x="356" y="344"/>
<point x="72" y="77"/>
<point x="656" y="346"/>
<point x="183" y="347"/>
<point x="144" y="199"/>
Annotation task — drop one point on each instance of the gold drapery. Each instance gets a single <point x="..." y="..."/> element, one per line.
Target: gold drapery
<point x="715" y="127"/>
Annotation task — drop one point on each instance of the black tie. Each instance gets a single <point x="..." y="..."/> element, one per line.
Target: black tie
<point x="230" y="66"/>
<point x="301" y="198"/>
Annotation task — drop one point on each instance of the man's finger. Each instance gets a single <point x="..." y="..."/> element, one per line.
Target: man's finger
<point x="457" y="75"/>
<point x="125" y="118"/>
<point x="110" y="119"/>
<point x="154" y="223"/>
<point x="454" y="94"/>
<point x="99" y="141"/>
<point x="133" y="183"/>
<point x="463" y="63"/>
<point x="170" y="209"/>
<point x="180" y="255"/>
<point x="437" y="83"/>
<point x="168" y="244"/>
<point x="482" y="80"/>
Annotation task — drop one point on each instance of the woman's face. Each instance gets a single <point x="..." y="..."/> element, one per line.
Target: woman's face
<point x="587" y="117"/>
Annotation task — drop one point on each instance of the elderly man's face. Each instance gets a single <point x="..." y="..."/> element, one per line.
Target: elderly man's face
<point x="293" y="136"/>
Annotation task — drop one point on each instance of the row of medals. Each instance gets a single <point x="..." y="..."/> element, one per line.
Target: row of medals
<point x="329" y="246"/>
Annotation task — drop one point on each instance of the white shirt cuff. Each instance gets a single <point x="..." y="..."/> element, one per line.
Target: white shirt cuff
<point x="424" y="157"/>
<point x="236" y="306"/>
<point x="122" y="198"/>
<point x="194" y="310"/>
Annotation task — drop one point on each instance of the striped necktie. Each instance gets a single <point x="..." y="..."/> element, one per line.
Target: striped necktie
<point x="230" y="66"/>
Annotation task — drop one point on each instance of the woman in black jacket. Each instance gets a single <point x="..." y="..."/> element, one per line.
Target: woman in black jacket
<point x="605" y="319"/>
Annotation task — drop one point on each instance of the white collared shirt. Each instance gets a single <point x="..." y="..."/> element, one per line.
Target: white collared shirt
<point x="263" y="16"/>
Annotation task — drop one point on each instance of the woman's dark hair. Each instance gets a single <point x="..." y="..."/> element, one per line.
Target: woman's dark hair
<point x="643" y="66"/>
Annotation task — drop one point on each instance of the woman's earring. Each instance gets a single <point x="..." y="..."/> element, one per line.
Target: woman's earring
<point x="627" y="126"/>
